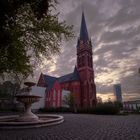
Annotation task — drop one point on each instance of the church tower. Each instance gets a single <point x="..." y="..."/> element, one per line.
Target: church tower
<point x="85" y="67"/>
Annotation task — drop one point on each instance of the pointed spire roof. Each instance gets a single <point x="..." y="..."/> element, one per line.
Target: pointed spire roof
<point x="76" y="74"/>
<point x="83" y="30"/>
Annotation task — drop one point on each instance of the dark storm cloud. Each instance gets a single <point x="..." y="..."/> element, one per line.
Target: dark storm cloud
<point x="127" y="14"/>
<point x="121" y="38"/>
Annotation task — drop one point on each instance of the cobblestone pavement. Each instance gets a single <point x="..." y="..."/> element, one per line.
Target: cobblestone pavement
<point x="82" y="127"/>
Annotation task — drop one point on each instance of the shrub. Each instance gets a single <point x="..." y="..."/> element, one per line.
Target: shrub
<point x="60" y="109"/>
<point x="107" y="108"/>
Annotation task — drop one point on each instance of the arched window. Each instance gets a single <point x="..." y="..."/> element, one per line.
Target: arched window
<point x="83" y="63"/>
<point x="79" y="63"/>
<point x="91" y="61"/>
<point x="54" y="95"/>
<point x="91" y="90"/>
<point x="58" y="99"/>
<point x="88" y="61"/>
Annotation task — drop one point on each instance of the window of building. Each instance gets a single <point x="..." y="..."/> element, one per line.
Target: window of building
<point x="80" y="62"/>
<point x="58" y="101"/>
<point x="83" y="61"/>
<point x="54" y="95"/>
<point x="88" y="61"/>
<point x="91" y="61"/>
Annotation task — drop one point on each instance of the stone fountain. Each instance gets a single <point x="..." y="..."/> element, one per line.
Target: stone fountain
<point x="27" y="99"/>
<point x="28" y="119"/>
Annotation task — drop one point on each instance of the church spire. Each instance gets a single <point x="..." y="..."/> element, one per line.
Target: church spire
<point x="83" y="30"/>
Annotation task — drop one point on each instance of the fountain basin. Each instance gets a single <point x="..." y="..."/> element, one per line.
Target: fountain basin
<point x="28" y="99"/>
<point x="10" y="122"/>
<point x="29" y="84"/>
<point x="29" y="119"/>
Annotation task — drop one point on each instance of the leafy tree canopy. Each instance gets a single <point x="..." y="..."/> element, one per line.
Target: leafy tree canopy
<point x="69" y="100"/>
<point x="28" y="32"/>
<point x="8" y="89"/>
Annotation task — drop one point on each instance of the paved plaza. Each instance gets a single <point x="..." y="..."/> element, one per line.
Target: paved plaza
<point x="82" y="127"/>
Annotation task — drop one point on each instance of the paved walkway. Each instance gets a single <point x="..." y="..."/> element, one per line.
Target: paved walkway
<point x="82" y="127"/>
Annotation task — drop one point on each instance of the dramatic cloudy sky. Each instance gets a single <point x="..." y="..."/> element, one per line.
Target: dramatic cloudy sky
<point x="114" y="28"/>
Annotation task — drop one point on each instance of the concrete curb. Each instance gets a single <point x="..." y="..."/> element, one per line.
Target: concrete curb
<point x="8" y="122"/>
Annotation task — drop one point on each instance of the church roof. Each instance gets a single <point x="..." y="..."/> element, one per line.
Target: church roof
<point x="50" y="80"/>
<point x="65" y="78"/>
<point x="70" y="77"/>
<point x="83" y="29"/>
<point x="76" y="75"/>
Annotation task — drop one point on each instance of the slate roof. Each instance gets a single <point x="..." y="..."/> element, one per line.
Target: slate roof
<point x="83" y="29"/>
<point x="65" y="78"/>
<point x="70" y="77"/>
<point x="50" y="80"/>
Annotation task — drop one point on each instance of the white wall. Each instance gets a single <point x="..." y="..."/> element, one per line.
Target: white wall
<point x="40" y="91"/>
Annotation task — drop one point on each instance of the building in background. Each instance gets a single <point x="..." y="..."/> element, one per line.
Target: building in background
<point x="41" y="92"/>
<point x="118" y="92"/>
<point x="132" y="106"/>
<point x="80" y="82"/>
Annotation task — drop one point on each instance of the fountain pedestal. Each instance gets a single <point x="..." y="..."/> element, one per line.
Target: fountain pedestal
<point x="28" y="100"/>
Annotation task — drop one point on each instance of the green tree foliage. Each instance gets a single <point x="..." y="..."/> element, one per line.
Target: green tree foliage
<point x="106" y="108"/>
<point x="69" y="100"/>
<point x="28" y="32"/>
<point x="99" y="100"/>
<point x="8" y="90"/>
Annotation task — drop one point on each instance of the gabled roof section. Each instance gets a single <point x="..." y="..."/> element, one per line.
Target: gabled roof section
<point x="76" y="74"/>
<point x="65" y="78"/>
<point x="41" y="80"/>
<point x="70" y="77"/>
<point x="49" y="81"/>
<point x="83" y="29"/>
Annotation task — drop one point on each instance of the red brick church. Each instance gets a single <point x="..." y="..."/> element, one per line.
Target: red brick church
<point x="80" y="82"/>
